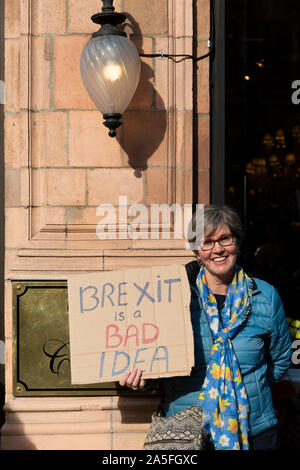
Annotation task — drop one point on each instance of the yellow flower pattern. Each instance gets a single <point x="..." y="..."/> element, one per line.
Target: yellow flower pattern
<point x="215" y="372"/>
<point x="223" y="404"/>
<point x="223" y="396"/>
<point x="228" y="373"/>
<point x="238" y="378"/>
<point x="217" y="419"/>
<point x="233" y="425"/>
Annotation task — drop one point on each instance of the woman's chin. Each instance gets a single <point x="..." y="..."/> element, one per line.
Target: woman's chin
<point x="222" y="269"/>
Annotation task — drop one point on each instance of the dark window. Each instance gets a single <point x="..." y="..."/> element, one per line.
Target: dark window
<point x="262" y="137"/>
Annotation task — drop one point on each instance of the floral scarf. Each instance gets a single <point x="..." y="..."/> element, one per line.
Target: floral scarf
<point x="223" y="396"/>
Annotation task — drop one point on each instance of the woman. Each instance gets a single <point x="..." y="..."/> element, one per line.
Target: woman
<point x="241" y="341"/>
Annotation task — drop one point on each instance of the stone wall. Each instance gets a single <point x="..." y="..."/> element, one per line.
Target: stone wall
<point x="60" y="165"/>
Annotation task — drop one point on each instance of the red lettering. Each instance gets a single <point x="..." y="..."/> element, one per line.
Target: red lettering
<point x="111" y="335"/>
<point x="114" y="339"/>
<point x="149" y="340"/>
<point x="135" y="334"/>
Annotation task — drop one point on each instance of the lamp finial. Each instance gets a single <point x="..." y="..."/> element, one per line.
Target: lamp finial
<point x="108" y="6"/>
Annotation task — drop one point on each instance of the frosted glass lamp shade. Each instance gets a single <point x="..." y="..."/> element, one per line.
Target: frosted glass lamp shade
<point x="110" y="68"/>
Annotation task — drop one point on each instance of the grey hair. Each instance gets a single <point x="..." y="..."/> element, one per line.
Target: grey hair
<point x="212" y="217"/>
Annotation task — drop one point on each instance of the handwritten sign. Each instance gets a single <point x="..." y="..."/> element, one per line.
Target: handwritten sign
<point x="137" y="318"/>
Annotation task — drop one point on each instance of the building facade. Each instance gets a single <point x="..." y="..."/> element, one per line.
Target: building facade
<point x="224" y="128"/>
<point x="60" y="165"/>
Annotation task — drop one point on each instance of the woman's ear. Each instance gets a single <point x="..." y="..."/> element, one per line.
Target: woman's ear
<point x="197" y="255"/>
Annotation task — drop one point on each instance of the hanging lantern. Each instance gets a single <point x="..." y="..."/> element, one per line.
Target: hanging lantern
<point x="110" y="67"/>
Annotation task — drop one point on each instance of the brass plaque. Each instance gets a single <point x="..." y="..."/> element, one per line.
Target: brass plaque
<point x="41" y="355"/>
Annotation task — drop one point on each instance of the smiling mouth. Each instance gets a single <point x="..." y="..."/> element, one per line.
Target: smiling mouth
<point x="220" y="259"/>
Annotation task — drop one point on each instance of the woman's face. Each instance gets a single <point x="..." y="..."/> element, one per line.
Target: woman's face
<point x="220" y="260"/>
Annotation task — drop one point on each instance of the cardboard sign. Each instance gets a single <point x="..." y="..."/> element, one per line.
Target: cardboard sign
<point x="137" y="318"/>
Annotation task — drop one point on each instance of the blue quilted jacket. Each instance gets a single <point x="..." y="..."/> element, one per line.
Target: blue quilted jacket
<point x="262" y="347"/>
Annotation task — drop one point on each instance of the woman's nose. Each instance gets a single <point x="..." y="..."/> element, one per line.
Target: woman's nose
<point x="218" y="248"/>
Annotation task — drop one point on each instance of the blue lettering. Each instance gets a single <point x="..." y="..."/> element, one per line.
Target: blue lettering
<point x="135" y="362"/>
<point x="107" y="295"/>
<point x="158" y="290"/>
<point x="82" y="290"/>
<point x="169" y="281"/>
<point x="163" y="358"/>
<point x="143" y="293"/>
<point x="102" y="364"/>
<point x="121" y="293"/>
<point x="118" y="372"/>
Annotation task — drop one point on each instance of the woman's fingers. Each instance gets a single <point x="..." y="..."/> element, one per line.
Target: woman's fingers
<point x="133" y="379"/>
<point x="137" y="379"/>
<point x="123" y="379"/>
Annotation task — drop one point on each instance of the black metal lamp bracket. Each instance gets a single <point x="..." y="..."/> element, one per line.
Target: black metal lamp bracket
<point x="108" y="19"/>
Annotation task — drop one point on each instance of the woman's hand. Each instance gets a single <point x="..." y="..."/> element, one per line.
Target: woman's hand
<point x="133" y="380"/>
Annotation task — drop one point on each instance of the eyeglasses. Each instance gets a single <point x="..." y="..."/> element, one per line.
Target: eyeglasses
<point x="224" y="241"/>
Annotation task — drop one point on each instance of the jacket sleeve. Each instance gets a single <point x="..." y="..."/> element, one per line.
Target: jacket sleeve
<point x="280" y="344"/>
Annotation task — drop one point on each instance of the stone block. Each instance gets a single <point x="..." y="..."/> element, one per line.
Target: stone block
<point x="16" y="140"/>
<point x="106" y="185"/>
<point x="69" y="92"/>
<point x="48" y="17"/>
<point x="40" y="72"/>
<point x="89" y="142"/>
<point x="152" y="19"/>
<point x="49" y="139"/>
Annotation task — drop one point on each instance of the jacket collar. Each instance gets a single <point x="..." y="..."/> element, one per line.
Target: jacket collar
<point x="255" y="289"/>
